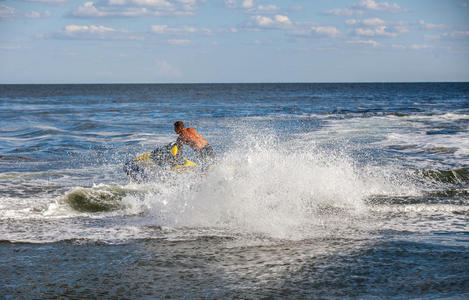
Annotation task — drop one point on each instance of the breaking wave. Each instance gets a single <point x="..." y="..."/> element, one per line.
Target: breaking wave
<point x="96" y="199"/>
<point x="456" y="176"/>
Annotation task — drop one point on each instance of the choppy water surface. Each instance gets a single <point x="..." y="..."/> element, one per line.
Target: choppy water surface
<point x="321" y="191"/>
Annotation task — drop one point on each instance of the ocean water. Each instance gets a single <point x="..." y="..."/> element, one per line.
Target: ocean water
<point x="321" y="191"/>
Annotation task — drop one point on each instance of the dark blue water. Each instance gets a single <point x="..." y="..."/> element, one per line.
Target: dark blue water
<point x="320" y="191"/>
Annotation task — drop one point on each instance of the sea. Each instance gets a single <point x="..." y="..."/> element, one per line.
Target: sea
<point x="319" y="191"/>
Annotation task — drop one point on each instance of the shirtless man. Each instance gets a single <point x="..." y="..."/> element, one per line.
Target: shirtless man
<point x="190" y="137"/>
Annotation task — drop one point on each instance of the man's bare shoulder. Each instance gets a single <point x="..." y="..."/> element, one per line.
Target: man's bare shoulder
<point x="191" y="130"/>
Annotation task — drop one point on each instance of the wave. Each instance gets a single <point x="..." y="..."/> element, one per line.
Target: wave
<point x="13" y="158"/>
<point x="456" y="176"/>
<point x="444" y="196"/>
<point x="96" y="199"/>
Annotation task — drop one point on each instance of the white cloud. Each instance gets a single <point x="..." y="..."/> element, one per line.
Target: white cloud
<point x="267" y="8"/>
<point x="161" y="29"/>
<point x="344" y="12"/>
<point x="11" y="48"/>
<point x="263" y="21"/>
<point x="457" y="34"/>
<point x="378" y="6"/>
<point x="420" y="47"/>
<point x="364" y="42"/>
<point x="180" y="42"/>
<point x="373" y="22"/>
<point x="367" y="22"/>
<point x="249" y="7"/>
<point x="258" y="42"/>
<point x="154" y="3"/>
<point x="296" y="8"/>
<point x="282" y="20"/>
<point x="307" y="30"/>
<point x="146" y="3"/>
<point x="460" y="34"/>
<point x="431" y="26"/>
<point x="375" y="31"/>
<point x="326" y="30"/>
<point x="247" y="4"/>
<point x="165" y="29"/>
<point x="189" y="2"/>
<point x="7" y="12"/>
<point x="33" y="15"/>
<point x="376" y="27"/>
<point x="89" y="10"/>
<point x="359" y="8"/>
<point x="231" y="3"/>
<point x="365" y="31"/>
<point x="72" y="29"/>
<point x="117" y="2"/>
<point x="91" y="32"/>
<point x="163" y="68"/>
<point x="398" y="46"/>
<point x="254" y="42"/>
<point x="49" y="1"/>
<point x="400" y="27"/>
<point x="431" y="37"/>
<point x="278" y="21"/>
<point x="135" y="8"/>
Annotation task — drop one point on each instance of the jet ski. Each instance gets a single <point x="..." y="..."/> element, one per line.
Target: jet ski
<point x="162" y="161"/>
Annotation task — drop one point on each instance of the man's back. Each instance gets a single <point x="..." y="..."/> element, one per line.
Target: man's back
<point x="191" y="137"/>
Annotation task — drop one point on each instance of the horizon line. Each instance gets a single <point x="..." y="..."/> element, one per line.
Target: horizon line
<point x="260" y="82"/>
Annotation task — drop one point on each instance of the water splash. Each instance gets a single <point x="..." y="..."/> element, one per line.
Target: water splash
<point x="272" y="188"/>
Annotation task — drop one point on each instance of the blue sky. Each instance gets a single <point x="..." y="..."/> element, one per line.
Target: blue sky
<point x="160" y="41"/>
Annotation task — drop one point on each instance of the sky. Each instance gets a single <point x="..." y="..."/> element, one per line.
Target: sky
<point x="192" y="41"/>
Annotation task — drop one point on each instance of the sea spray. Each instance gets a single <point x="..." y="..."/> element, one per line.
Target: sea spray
<point x="272" y="188"/>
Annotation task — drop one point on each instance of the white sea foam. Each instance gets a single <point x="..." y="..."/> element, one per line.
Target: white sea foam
<point x="419" y="141"/>
<point x="270" y="189"/>
<point x="422" y="218"/>
<point x="439" y="117"/>
<point x="411" y="137"/>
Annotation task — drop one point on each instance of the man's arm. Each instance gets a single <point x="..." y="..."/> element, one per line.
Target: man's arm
<point x="178" y="159"/>
<point x="179" y="143"/>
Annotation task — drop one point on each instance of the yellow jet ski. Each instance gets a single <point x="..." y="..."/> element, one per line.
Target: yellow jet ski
<point x="158" y="162"/>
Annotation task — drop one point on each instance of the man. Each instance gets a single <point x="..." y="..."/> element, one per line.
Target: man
<point x="190" y="137"/>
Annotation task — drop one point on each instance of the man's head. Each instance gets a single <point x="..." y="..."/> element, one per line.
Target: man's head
<point x="178" y="126"/>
